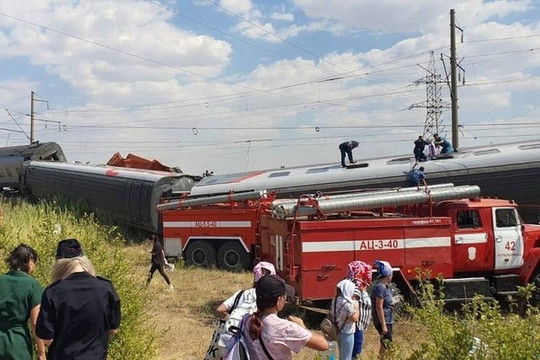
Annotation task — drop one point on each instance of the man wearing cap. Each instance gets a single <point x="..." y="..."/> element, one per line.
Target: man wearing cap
<point x="270" y="337"/>
<point x="346" y="148"/>
<point x="79" y="310"/>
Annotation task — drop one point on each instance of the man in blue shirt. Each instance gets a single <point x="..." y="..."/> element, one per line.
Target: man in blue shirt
<point x="444" y="144"/>
<point x="415" y="176"/>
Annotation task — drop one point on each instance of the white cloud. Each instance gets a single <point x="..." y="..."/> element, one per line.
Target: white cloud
<point x="282" y="16"/>
<point x="164" y="104"/>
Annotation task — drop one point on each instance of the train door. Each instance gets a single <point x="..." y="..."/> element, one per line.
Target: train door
<point x="508" y="238"/>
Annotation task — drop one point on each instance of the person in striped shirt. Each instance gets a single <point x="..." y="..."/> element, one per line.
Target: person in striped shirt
<point x="360" y="273"/>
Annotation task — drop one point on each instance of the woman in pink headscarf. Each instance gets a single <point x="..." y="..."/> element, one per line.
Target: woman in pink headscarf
<point x="360" y="273"/>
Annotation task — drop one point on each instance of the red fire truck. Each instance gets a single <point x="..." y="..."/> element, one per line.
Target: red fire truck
<point x="479" y="246"/>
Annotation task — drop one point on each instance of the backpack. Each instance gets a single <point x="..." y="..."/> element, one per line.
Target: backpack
<point x="329" y="325"/>
<point x="237" y="312"/>
<point x="236" y="346"/>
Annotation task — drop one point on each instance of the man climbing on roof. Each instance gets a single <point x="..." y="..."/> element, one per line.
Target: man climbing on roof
<point x="416" y="176"/>
<point x="346" y="149"/>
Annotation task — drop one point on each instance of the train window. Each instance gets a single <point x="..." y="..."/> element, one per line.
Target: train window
<point x="506" y="218"/>
<point x="486" y="152"/>
<point x="279" y="174"/>
<point x="316" y="170"/>
<point x="468" y="219"/>
<point x="529" y="147"/>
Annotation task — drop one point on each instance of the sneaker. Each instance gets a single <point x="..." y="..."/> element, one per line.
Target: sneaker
<point x="171" y="287"/>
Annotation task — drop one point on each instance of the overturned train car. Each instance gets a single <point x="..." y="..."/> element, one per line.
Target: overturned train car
<point x="128" y="195"/>
<point x="12" y="158"/>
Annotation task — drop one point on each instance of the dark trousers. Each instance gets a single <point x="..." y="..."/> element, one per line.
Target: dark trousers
<point x="419" y="154"/>
<point x="345" y="150"/>
<point x="159" y="268"/>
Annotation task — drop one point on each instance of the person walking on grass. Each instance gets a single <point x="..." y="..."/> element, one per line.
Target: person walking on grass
<point x="158" y="261"/>
<point x="20" y="298"/>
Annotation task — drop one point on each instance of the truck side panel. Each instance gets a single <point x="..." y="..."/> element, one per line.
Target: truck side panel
<point x="322" y="249"/>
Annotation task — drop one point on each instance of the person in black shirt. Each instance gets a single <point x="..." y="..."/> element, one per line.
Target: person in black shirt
<point x="346" y="148"/>
<point x="419" y="146"/>
<point x="79" y="310"/>
<point x="158" y="260"/>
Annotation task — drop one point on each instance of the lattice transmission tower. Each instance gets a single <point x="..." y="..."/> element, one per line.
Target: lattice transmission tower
<point x="434" y="104"/>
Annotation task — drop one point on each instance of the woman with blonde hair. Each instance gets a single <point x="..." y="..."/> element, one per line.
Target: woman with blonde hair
<point x="79" y="310"/>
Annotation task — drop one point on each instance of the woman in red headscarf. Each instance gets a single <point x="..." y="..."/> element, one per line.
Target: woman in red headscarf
<point x="360" y="273"/>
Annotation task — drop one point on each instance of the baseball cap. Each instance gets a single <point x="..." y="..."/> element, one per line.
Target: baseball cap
<point x="69" y="248"/>
<point x="258" y="270"/>
<point x="272" y="286"/>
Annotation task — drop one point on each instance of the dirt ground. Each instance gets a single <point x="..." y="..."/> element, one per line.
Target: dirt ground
<point x="185" y="316"/>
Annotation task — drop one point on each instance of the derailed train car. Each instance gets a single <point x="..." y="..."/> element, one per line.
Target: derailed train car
<point x="12" y="158"/>
<point x="129" y="195"/>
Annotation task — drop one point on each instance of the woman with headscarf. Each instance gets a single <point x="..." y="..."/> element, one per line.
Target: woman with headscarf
<point x="346" y="314"/>
<point x="271" y="337"/>
<point x="383" y="309"/>
<point x="20" y="296"/>
<point x="360" y="273"/>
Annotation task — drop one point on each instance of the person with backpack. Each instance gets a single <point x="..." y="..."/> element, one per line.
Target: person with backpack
<point x="269" y="337"/>
<point x="232" y="310"/>
<point x="346" y="315"/>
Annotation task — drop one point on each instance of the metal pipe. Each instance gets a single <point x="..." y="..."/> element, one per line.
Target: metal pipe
<point x="187" y="202"/>
<point x="377" y="201"/>
<point x="397" y="190"/>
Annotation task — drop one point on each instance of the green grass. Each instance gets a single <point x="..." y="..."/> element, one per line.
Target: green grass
<point x="42" y="225"/>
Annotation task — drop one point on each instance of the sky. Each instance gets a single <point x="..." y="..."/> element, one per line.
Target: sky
<point x="239" y="85"/>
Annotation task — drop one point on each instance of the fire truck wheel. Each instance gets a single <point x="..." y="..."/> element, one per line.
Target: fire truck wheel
<point x="232" y="256"/>
<point x="201" y="253"/>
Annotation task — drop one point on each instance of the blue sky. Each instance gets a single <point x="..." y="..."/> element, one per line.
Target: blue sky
<point x="234" y="85"/>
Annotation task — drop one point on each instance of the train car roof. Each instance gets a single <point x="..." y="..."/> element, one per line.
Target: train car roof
<point x="481" y="159"/>
<point x="112" y="171"/>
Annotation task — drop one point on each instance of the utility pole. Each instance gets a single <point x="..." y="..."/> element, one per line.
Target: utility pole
<point x="32" y="115"/>
<point x="453" y="81"/>
<point x="32" y="118"/>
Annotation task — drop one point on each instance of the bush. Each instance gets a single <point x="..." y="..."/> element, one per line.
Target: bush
<point x="479" y="330"/>
<point x="43" y="225"/>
